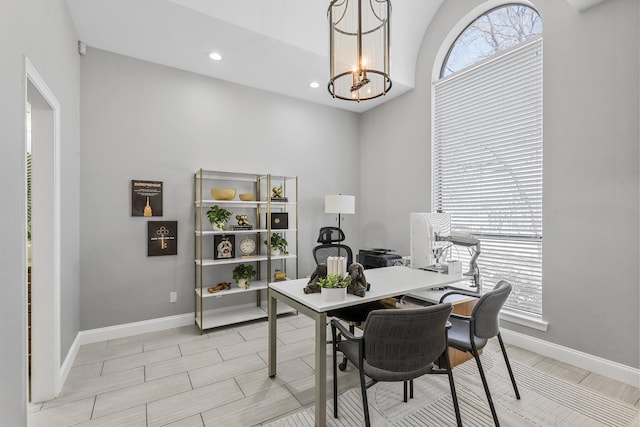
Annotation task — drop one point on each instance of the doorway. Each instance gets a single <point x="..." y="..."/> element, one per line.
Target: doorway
<point x="42" y="146"/>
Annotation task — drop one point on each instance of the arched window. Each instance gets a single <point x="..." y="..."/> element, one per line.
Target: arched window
<point x="495" y="31"/>
<point x="487" y="147"/>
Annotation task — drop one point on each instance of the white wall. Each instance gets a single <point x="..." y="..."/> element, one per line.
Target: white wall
<point x="145" y="121"/>
<point x="591" y="180"/>
<point x="41" y="30"/>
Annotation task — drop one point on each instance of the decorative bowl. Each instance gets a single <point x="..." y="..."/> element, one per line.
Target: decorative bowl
<point x="247" y="197"/>
<point x="223" y="193"/>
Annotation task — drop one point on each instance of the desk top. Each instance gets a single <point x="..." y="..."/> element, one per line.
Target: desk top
<point x="385" y="282"/>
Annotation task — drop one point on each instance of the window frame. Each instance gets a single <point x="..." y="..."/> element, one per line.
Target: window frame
<point x="521" y="317"/>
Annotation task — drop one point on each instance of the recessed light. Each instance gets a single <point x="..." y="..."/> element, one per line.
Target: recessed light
<point x="314" y="85"/>
<point x="215" y="56"/>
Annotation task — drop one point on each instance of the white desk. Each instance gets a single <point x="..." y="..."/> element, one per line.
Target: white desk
<point x="385" y="282"/>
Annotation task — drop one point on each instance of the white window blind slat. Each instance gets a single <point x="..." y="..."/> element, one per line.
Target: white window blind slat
<point x="487" y="167"/>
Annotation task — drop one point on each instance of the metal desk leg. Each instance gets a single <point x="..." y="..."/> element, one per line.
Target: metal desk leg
<point x="273" y="322"/>
<point x="321" y="369"/>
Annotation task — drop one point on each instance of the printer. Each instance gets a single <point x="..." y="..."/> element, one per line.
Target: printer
<point x="378" y="257"/>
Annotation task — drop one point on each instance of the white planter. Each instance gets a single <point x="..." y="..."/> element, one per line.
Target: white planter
<point x="215" y="227"/>
<point x="333" y="294"/>
<point x="242" y="283"/>
<point x="275" y="251"/>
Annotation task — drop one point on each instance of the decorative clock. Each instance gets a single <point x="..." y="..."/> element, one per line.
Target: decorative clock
<point x="247" y="246"/>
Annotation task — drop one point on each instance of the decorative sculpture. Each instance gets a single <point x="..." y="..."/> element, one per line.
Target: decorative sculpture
<point x="277" y="192"/>
<point x="319" y="273"/>
<point x="223" y="286"/>
<point x="243" y="220"/>
<point x="359" y="285"/>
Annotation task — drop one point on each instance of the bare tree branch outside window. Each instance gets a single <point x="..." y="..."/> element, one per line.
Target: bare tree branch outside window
<point x="493" y="32"/>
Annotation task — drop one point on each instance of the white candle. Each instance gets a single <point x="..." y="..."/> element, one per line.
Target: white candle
<point x="332" y="265"/>
<point x="341" y="266"/>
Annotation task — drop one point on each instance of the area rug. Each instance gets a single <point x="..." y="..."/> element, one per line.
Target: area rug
<point x="545" y="401"/>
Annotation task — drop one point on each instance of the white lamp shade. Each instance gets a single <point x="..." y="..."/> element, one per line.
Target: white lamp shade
<point x="339" y="204"/>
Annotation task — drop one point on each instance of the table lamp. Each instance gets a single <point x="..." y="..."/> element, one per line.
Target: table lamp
<point x="339" y="204"/>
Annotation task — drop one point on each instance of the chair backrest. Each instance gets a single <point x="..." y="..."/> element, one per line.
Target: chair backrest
<point x="487" y="309"/>
<point x="330" y="235"/>
<point x="322" y="252"/>
<point x="406" y="340"/>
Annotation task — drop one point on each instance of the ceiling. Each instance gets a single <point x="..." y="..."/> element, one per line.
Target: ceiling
<point x="275" y="45"/>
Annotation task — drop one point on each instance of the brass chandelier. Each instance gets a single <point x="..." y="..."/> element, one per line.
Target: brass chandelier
<point x="359" y="49"/>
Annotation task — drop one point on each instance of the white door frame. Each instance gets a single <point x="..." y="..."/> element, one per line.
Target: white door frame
<point x="45" y="289"/>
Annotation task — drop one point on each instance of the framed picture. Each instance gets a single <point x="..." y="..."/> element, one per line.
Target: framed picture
<point x="162" y="238"/>
<point x="279" y="220"/>
<point x="146" y="198"/>
<point x="224" y="246"/>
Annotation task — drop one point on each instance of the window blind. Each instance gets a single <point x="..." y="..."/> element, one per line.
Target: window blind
<point x="487" y="167"/>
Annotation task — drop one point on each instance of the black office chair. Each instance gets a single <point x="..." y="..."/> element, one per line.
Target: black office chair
<point x="397" y="345"/>
<point x="329" y="239"/>
<point x="471" y="333"/>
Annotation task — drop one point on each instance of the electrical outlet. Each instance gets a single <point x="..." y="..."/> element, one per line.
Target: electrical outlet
<point x="173" y="296"/>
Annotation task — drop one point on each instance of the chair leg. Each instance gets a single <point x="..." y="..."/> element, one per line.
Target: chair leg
<point x="365" y="402"/>
<point x="404" y="394"/>
<point x="506" y="360"/>
<point x="343" y="365"/>
<point x="486" y="387"/>
<point x="452" y="386"/>
<point x="410" y="390"/>
<point x="335" y="374"/>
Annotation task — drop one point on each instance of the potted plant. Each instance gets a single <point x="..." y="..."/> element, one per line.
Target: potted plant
<point x="218" y="217"/>
<point x="333" y="287"/>
<point x="278" y="244"/>
<point x="242" y="274"/>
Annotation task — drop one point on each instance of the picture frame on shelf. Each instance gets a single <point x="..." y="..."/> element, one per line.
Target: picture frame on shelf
<point x="224" y="246"/>
<point x="279" y="220"/>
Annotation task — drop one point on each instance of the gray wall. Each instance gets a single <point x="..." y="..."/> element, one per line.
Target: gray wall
<point x="145" y="121"/>
<point x="591" y="180"/>
<point x="41" y="30"/>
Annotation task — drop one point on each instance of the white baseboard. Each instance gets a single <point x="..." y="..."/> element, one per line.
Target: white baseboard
<point x="135" y="328"/>
<point x="617" y="371"/>
<point x="68" y="362"/>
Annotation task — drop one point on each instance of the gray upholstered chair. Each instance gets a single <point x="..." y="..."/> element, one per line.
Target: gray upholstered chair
<point x="396" y="346"/>
<point x="471" y="333"/>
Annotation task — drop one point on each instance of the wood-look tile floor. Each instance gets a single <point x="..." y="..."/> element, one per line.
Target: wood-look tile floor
<point x="178" y="377"/>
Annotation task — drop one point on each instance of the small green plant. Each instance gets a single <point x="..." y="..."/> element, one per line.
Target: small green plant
<point x="218" y="216"/>
<point x="278" y="242"/>
<point x="244" y="271"/>
<point x="334" y="281"/>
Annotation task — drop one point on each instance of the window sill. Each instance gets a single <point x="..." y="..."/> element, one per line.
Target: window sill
<point x="524" y="320"/>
